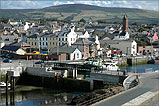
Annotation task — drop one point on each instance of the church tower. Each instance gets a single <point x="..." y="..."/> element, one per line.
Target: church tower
<point x="125" y="23"/>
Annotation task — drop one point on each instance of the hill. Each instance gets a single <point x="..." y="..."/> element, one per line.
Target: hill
<point x="75" y="12"/>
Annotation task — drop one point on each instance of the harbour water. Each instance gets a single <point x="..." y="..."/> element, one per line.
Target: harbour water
<point x="141" y="68"/>
<point x="37" y="96"/>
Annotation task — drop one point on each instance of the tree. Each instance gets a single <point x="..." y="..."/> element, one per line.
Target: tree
<point x="83" y="20"/>
<point x="4" y="20"/>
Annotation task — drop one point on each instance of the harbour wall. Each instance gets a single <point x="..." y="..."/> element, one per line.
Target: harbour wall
<point x="50" y="82"/>
<point x="137" y="60"/>
<point x="108" y="78"/>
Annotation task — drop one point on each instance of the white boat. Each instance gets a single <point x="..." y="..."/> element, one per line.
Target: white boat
<point x="110" y="66"/>
<point x="3" y="84"/>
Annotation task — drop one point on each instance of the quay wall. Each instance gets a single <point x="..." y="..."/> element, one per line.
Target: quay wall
<point x="108" y="78"/>
<point x="50" y="82"/>
<point x="137" y="60"/>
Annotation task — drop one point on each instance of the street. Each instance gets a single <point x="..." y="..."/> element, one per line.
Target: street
<point x="7" y="66"/>
<point x="148" y="81"/>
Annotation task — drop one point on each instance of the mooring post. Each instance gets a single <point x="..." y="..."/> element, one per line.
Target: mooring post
<point x="13" y="78"/>
<point x="57" y="76"/>
<point x="7" y="89"/>
<point x="11" y="83"/>
<point x="11" y="96"/>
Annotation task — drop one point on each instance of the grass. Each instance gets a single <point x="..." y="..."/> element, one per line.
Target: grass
<point x="138" y="63"/>
<point x="141" y="62"/>
<point x="124" y="64"/>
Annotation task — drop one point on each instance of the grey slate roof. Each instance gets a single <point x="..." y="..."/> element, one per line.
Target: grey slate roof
<point x="82" y="41"/>
<point x="63" y="32"/>
<point x="11" y="48"/>
<point x="23" y="44"/>
<point x="33" y="36"/>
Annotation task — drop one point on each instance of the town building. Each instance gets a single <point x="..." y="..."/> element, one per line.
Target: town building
<point x="13" y="49"/>
<point x="123" y="35"/>
<point x="65" y="53"/>
<point x="128" y="47"/>
<point x="67" y="37"/>
<point x="33" y="41"/>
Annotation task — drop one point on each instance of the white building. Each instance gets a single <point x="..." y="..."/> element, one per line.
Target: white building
<point x="2" y="44"/>
<point x="26" y="26"/>
<point x="42" y="42"/>
<point x="127" y="47"/>
<point x="76" y="54"/>
<point x="67" y="37"/>
<point x="83" y="35"/>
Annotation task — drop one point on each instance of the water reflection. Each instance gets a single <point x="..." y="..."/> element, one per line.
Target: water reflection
<point x="37" y="97"/>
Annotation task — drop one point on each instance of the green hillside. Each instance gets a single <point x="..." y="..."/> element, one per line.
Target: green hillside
<point x="75" y="12"/>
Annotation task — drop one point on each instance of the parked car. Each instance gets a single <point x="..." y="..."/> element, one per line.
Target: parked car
<point x="3" y="55"/>
<point x="7" y="61"/>
<point x="6" y="56"/>
<point x="39" y="62"/>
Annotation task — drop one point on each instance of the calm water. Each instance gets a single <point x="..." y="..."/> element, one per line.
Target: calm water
<point x="142" y="68"/>
<point x="41" y="97"/>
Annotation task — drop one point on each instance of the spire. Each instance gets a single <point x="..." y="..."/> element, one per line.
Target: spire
<point x="125" y="16"/>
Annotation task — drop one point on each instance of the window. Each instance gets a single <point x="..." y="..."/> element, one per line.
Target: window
<point x="50" y="43"/>
<point x="35" y="43"/>
<point x="77" y="55"/>
<point x="32" y="43"/>
<point x="66" y="39"/>
<point x="59" y="39"/>
<point x="40" y="43"/>
<point x="7" y="39"/>
<point x="46" y="43"/>
<point x="46" y="38"/>
<point x="62" y="39"/>
<point x="53" y="43"/>
<point x="43" y="38"/>
<point x="43" y="43"/>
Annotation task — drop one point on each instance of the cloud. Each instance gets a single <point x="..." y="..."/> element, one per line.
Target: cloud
<point x="34" y="4"/>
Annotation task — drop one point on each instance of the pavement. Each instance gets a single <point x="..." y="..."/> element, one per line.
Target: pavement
<point x="148" y="81"/>
<point x="15" y="63"/>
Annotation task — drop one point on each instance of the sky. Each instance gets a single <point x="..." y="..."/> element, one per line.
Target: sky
<point x="36" y="4"/>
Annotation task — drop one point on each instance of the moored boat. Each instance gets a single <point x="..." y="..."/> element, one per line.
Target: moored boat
<point x="3" y="84"/>
<point x="110" y="67"/>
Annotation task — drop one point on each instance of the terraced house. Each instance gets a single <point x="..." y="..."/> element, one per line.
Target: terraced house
<point x="33" y="41"/>
<point x="67" y="37"/>
<point x="47" y="41"/>
<point x="43" y="41"/>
